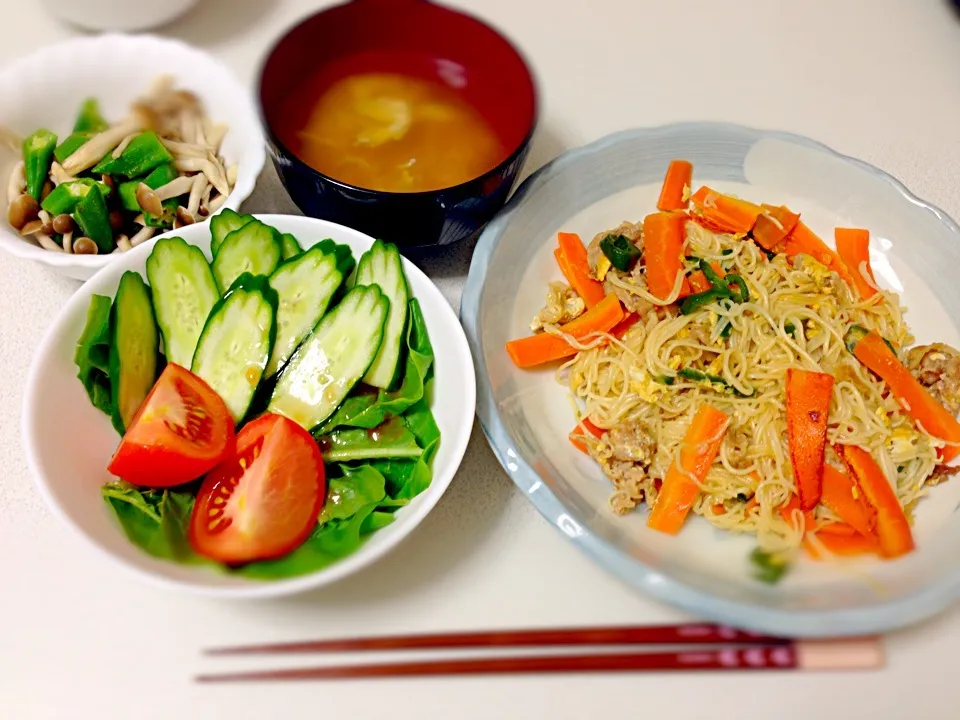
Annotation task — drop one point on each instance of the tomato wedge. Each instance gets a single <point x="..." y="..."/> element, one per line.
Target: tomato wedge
<point x="263" y="501"/>
<point x="181" y="431"/>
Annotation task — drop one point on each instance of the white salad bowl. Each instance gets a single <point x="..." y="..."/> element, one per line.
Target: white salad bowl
<point x="527" y="415"/>
<point x="45" y="88"/>
<point x="69" y="442"/>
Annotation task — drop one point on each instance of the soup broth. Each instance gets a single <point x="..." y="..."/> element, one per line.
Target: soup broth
<point x="397" y="133"/>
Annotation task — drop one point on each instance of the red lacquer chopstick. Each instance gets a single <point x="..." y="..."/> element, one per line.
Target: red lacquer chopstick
<point x="701" y="634"/>
<point x="859" y="654"/>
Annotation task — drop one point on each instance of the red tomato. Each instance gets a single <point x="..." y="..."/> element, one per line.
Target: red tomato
<point x="263" y="501"/>
<point x="181" y="431"/>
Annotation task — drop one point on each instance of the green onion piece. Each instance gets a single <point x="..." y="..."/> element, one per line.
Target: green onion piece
<point x="741" y="284"/>
<point x="621" y="253"/>
<point x="692" y="303"/>
<point x="767" y="567"/>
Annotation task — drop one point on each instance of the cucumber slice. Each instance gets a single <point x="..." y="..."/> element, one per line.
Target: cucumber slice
<point x="253" y="248"/>
<point x="289" y="246"/>
<point x="332" y="359"/>
<point x="342" y="253"/>
<point x="224" y="223"/>
<point x="184" y="292"/>
<point x="134" y="349"/>
<point x="237" y="341"/>
<point x="381" y="265"/>
<point x="304" y="285"/>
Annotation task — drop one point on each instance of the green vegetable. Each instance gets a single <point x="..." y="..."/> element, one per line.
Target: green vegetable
<point x="790" y="329"/>
<point x="66" y="196"/>
<point x="70" y="145"/>
<point x="768" y="567"/>
<point x="89" y="119"/>
<point x="342" y="253"/>
<point x="158" y="177"/>
<point x="290" y="246"/>
<point x="720" y="290"/>
<point x="856" y="333"/>
<point x="37" y="158"/>
<point x="164" y="220"/>
<point x="224" y="223"/>
<point x="92" y="356"/>
<point x="702" y="377"/>
<point x="621" y="253"/>
<point x="94" y="219"/>
<point x="390" y="440"/>
<point x="358" y="488"/>
<point x="143" y="154"/>
<point x="134" y="348"/>
<point x="370" y="408"/>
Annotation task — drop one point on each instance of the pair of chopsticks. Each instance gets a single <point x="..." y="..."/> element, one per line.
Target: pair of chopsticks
<point x="704" y="647"/>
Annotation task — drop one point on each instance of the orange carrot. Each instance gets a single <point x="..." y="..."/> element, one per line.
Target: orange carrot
<point x="841" y="495"/>
<point x="808" y="403"/>
<point x="663" y="247"/>
<point x="844" y="545"/>
<point x="773" y="225"/>
<point x="699" y="282"/>
<point x="839" y="529"/>
<point x="724" y="213"/>
<point x="786" y="512"/>
<point x="576" y="434"/>
<point x="679" y="176"/>
<point x="893" y="529"/>
<point x="697" y="453"/>
<point x="538" y="349"/>
<point x="572" y="259"/>
<point x="718" y="509"/>
<point x="853" y="246"/>
<point x="621" y="328"/>
<point x="870" y="349"/>
<point x="803" y="241"/>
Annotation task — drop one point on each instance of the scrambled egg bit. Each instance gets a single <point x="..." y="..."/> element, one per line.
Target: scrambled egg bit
<point x="645" y="387"/>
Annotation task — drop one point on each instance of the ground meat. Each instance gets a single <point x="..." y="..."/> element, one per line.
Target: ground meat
<point x="628" y="480"/>
<point x="633" y="303"/>
<point x="563" y="305"/>
<point x="937" y="367"/>
<point x="632" y="442"/>
<point x="631" y="231"/>
<point x="940" y="474"/>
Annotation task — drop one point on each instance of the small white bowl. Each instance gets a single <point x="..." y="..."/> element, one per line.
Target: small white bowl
<point x="68" y="442"/>
<point x="45" y="89"/>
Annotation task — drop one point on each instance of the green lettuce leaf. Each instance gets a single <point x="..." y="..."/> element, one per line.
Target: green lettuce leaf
<point x="92" y="356"/>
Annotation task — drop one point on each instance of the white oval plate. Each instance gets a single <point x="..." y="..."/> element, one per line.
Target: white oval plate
<point x="45" y="89"/>
<point x="527" y="416"/>
<point x="68" y="442"/>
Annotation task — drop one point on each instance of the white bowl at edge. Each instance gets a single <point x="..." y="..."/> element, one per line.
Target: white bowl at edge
<point x="45" y="88"/>
<point x="68" y="442"/>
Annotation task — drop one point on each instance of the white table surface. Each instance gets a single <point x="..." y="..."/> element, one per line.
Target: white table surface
<point x="877" y="79"/>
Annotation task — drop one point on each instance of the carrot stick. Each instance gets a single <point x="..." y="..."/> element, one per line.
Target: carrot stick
<point x="575" y="268"/>
<point x="724" y="213"/>
<point x="538" y="349"/>
<point x="841" y="495"/>
<point x="803" y="241"/>
<point x="853" y="246"/>
<point x="663" y="246"/>
<point x="679" y="177"/>
<point x="773" y="225"/>
<point x="840" y="529"/>
<point x="893" y="529"/>
<point x="870" y="349"/>
<point x="840" y="545"/>
<point x="699" y="282"/>
<point x="808" y="404"/>
<point x="575" y="434"/>
<point x="621" y="328"/>
<point x="697" y="453"/>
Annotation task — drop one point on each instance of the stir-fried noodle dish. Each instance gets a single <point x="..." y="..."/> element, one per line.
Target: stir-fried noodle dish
<point x="728" y="363"/>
